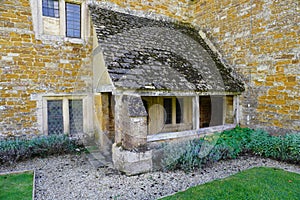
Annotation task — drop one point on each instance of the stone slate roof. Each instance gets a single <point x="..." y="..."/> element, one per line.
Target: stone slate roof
<point x="142" y="53"/>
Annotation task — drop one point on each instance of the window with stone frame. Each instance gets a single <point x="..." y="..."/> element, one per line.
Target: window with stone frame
<point x="57" y="19"/>
<point x="64" y="116"/>
<point x="50" y="8"/>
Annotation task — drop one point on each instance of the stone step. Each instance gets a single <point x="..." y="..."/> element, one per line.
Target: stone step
<point x="98" y="158"/>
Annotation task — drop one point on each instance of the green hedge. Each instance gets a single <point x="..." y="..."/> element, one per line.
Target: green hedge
<point x="12" y="150"/>
<point x="230" y="144"/>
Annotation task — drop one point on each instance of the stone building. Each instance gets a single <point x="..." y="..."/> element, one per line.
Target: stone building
<point x="44" y="64"/>
<point x="135" y="72"/>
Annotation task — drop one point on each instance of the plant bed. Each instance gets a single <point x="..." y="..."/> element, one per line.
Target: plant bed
<point x="17" y="185"/>
<point x="18" y="149"/>
<point x="200" y="152"/>
<point x="255" y="183"/>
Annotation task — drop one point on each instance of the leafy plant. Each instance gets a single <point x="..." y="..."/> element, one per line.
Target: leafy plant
<point x="192" y="154"/>
<point x="284" y="148"/>
<point x="182" y="155"/>
<point x="17" y="149"/>
<point x="230" y="144"/>
<point x="291" y="146"/>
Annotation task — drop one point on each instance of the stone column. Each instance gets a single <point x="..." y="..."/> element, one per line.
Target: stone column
<point x="136" y="134"/>
<point x="120" y="119"/>
<point x="131" y="134"/>
<point x="236" y="109"/>
<point x="196" y="112"/>
<point x="130" y="122"/>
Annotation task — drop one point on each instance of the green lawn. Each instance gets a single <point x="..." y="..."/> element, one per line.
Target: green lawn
<point x="16" y="186"/>
<point x="256" y="183"/>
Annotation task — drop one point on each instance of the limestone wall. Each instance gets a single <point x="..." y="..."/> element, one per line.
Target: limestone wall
<point x="176" y="9"/>
<point x="261" y="40"/>
<point x="31" y="68"/>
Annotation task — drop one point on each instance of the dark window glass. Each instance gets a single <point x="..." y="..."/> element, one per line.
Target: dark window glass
<point x="179" y="111"/>
<point x="73" y="20"/>
<point x="55" y="117"/>
<point x="168" y="110"/>
<point x="75" y="116"/>
<point x="50" y="8"/>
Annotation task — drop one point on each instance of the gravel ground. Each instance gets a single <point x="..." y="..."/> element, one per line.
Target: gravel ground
<point x="72" y="177"/>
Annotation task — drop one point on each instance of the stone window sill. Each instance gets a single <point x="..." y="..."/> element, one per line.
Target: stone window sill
<point x="189" y="133"/>
<point x="59" y="38"/>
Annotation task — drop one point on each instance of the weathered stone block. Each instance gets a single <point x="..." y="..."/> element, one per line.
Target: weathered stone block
<point x="130" y="162"/>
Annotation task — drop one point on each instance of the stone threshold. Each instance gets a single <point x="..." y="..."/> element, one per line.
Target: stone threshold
<point x="189" y="133"/>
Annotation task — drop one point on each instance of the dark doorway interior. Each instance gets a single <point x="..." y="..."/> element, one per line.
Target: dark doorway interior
<point x="111" y="117"/>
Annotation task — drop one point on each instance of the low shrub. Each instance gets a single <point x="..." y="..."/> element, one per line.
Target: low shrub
<point x="219" y="152"/>
<point x="291" y="146"/>
<point x="230" y="144"/>
<point x="17" y="149"/>
<point x="283" y="148"/>
<point x="235" y="140"/>
<point x="189" y="155"/>
<point x="182" y="155"/>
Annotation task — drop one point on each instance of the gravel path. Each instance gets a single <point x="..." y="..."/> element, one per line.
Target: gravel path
<point x="72" y="177"/>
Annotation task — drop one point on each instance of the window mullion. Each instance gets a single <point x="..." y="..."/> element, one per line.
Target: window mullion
<point x="174" y="110"/>
<point x="66" y="115"/>
<point x="62" y="19"/>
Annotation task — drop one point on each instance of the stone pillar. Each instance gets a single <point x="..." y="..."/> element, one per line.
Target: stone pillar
<point x="121" y="117"/>
<point x="130" y="122"/>
<point x="236" y="109"/>
<point x="131" y="134"/>
<point x="136" y="135"/>
<point x="196" y="112"/>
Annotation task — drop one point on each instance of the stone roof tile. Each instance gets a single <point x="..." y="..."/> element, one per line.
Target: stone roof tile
<point x="142" y="53"/>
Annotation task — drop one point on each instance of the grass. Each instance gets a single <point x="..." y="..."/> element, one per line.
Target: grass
<point x="256" y="183"/>
<point x="16" y="186"/>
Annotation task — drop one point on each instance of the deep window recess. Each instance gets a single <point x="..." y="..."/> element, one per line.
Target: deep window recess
<point x="168" y="110"/>
<point x="75" y="116"/>
<point x="179" y="111"/>
<point x="55" y="117"/>
<point x="73" y="24"/>
<point x="50" y="8"/>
